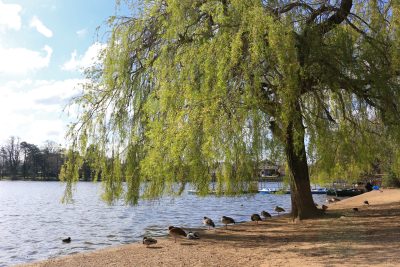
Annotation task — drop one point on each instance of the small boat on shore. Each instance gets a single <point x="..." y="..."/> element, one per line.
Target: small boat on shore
<point x="273" y="191"/>
<point x="319" y="191"/>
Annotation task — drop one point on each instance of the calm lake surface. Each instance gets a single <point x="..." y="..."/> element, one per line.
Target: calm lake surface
<point x="33" y="221"/>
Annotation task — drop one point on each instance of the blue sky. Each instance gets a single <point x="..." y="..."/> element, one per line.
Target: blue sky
<point x="44" y="44"/>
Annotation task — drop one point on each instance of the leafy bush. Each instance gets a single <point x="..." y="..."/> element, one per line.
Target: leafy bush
<point x="391" y="180"/>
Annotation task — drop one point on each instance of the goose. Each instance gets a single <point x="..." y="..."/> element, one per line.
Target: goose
<point x="149" y="241"/>
<point x="208" y="222"/>
<point x="256" y="218"/>
<point x="176" y="232"/>
<point x="265" y="214"/>
<point x="279" y="209"/>
<point x="227" y="220"/>
<point x="67" y="240"/>
<point x="193" y="235"/>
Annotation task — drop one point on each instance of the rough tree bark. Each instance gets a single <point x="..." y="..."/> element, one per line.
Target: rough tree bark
<point x="303" y="206"/>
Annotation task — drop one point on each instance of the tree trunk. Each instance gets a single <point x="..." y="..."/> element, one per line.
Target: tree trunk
<point x="303" y="206"/>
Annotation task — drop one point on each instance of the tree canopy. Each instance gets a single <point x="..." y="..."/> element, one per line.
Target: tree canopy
<point x="190" y="88"/>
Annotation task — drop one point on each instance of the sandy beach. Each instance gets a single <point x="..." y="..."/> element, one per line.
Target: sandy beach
<point x="369" y="237"/>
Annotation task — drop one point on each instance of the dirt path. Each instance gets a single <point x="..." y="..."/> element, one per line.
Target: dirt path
<point x="369" y="237"/>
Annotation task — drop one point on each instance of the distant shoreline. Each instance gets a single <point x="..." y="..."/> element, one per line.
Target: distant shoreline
<point x="55" y="179"/>
<point x="342" y="238"/>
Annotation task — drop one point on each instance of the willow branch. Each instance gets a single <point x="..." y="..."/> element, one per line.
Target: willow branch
<point x="289" y="7"/>
<point x="338" y="17"/>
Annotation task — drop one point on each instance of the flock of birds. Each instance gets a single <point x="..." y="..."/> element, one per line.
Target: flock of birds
<point x="334" y="200"/>
<point x="177" y="232"/>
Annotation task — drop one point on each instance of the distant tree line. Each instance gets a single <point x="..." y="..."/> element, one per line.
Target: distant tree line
<point x="20" y="160"/>
<point x="26" y="161"/>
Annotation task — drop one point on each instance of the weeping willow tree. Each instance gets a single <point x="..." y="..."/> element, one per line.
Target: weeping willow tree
<point x="188" y="90"/>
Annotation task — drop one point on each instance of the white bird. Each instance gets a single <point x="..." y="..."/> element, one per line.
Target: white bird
<point x="333" y="200"/>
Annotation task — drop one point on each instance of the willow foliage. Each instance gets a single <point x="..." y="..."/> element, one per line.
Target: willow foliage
<point x="189" y="89"/>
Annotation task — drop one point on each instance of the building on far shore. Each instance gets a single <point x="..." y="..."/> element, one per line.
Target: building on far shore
<point x="269" y="171"/>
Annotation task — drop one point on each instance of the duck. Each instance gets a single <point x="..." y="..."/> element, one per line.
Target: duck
<point x="265" y="214"/>
<point x="256" y="218"/>
<point x="176" y="232"/>
<point x="208" y="222"/>
<point x="149" y="241"/>
<point x="227" y="220"/>
<point x="193" y="235"/>
<point x="67" y="240"/>
<point x="279" y="209"/>
<point x="366" y="202"/>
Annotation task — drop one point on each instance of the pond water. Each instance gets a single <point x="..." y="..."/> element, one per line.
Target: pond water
<point x="33" y="221"/>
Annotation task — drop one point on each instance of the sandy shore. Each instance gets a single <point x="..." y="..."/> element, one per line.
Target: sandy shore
<point x="369" y="237"/>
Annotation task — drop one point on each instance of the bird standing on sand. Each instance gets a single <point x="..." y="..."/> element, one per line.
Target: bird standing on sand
<point x="265" y="214"/>
<point x="227" y="220"/>
<point x="149" y="241"/>
<point x="208" y="222"/>
<point x="279" y="209"/>
<point x="366" y="202"/>
<point x="67" y="240"/>
<point x="176" y="232"/>
<point x="256" y="218"/>
<point x="193" y="235"/>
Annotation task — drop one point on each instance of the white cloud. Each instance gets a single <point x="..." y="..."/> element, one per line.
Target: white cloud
<point x="9" y="16"/>
<point x="90" y="58"/>
<point x="81" y="33"/>
<point x="22" y="60"/>
<point x="33" y="110"/>
<point x="40" y="27"/>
